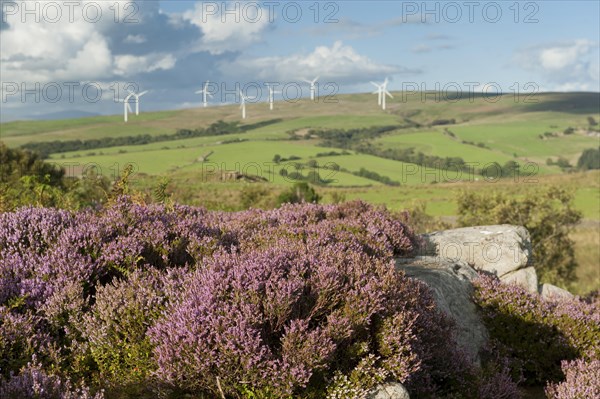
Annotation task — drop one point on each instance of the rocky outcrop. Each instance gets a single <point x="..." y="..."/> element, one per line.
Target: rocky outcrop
<point x="452" y="289"/>
<point x="526" y="278"/>
<point x="497" y="249"/>
<point x="449" y="263"/>
<point x="549" y="291"/>
<point x="392" y="390"/>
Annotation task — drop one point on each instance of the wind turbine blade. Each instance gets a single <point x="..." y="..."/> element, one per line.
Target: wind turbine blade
<point x="142" y="93"/>
<point x="208" y="94"/>
<point x="376" y="92"/>
<point x="375" y="84"/>
<point x="131" y="92"/>
<point x="315" y="79"/>
<point x="199" y="92"/>
<point x="389" y="94"/>
<point x="129" y="107"/>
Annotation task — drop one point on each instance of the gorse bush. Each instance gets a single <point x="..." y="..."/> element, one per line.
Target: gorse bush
<point x="537" y="334"/>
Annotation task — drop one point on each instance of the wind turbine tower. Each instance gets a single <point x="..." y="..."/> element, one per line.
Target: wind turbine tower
<point x="137" y="100"/>
<point x="312" y="84"/>
<point x="243" y="105"/>
<point x="378" y="92"/>
<point x="272" y="91"/>
<point x="126" y="106"/>
<point x="384" y="93"/>
<point x="205" y="93"/>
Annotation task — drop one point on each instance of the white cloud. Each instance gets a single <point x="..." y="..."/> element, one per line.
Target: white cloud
<point x="28" y="52"/>
<point x="434" y="42"/>
<point x="132" y="65"/>
<point x="92" y="59"/>
<point x="135" y="39"/>
<point x="338" y="62"/>
<point x="565" y="66"/>
<point x="560" y="57"/>
<point x="228" y="32"/>
<point x="352" y="29"/>
<point x="438" y="36"/>
<point x="421" y="48"/>
<point x="574" y="86"/>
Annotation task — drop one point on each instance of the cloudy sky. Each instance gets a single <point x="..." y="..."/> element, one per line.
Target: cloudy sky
<point x="59" y="56"/>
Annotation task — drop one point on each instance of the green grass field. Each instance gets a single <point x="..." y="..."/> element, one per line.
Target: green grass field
<point x="508" y="130"/>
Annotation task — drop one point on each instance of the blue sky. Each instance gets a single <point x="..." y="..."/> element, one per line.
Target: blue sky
<point x="171" y="47"/>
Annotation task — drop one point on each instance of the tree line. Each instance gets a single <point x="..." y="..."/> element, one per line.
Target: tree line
<point x="45" y="148"/>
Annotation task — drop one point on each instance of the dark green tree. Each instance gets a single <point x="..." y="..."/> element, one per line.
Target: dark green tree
<point x="547" y="214"/>
<point x="299" y="193"/>
<point x="589" y="159"/>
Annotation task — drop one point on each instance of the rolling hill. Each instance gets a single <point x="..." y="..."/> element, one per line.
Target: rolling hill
<point x="480" y="131"/>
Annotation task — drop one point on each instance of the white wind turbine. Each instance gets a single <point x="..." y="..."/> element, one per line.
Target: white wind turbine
<point x="272" y="91"/>
<point x="312" y="87"/>
<point x="243" y="105"/>
<point x="126" y="106"/>
<point x="137" y="100"/>
<point x="378" y="91"/>
<point x="205" y="93"/>
<point x="384" y="92"/>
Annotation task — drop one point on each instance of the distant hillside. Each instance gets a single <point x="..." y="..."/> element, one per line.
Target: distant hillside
<point x="412" y="142"/>
<point x="59" y="115"/>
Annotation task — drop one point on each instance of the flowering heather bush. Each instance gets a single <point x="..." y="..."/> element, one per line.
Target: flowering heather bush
<point x="278" y="321"/>
<point x="582" y="381"/>
<point x="115" y="328"/>
<point x="43" y="251"/>
<point x="34" y="383"/>
<point x="301" y="301"/>
<point x="20" y="339"/>
<point x="355" y="224"/>
<point x="496" y="377"/>
<point x="538" y="333"/>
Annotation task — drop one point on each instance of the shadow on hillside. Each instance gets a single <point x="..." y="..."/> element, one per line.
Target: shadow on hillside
<point x="536" y="349"/>
<point x="572" y="103"/>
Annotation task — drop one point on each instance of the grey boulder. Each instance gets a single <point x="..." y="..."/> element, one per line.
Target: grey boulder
<point x="451" y="285"/>
<point x="498" y="249"/>
<point x="526" y="278"/>
<point x="393" y="390"/>
<point x="549" y="291"/>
